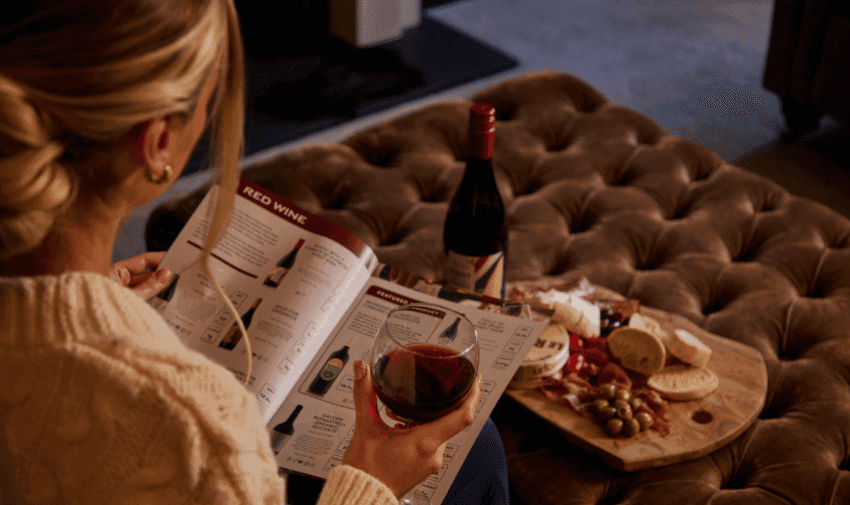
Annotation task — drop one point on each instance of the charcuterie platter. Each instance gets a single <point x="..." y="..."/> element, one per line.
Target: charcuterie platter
<point x="696" y="427"/>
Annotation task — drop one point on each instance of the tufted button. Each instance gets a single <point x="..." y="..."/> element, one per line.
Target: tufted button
<point x="379" y="148"/>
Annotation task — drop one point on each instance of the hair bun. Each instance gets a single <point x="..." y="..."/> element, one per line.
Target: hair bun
<point x="34" y="185"/>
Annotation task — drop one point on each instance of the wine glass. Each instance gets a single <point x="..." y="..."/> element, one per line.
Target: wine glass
<point x="424" y="363"/>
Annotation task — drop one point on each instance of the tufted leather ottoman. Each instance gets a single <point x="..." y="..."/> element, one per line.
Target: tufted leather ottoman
<point x="597" y="190"/>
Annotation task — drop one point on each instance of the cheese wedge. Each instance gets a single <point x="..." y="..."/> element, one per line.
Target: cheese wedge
<point x="637" y="350"/>
<point x="684" y="383"/>
<point x="541" y="301"/>
<point x="689" y="349"/>
<point x="575" y="319"/>
<point x="589" y="310"/>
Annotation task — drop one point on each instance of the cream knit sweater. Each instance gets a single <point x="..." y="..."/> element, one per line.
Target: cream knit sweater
<point x="100" y="403"/>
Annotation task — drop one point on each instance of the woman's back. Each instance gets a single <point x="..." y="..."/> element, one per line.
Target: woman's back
<point x="100" y="400"/>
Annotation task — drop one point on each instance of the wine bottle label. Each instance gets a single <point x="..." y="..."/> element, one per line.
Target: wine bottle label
<point x="482" y="274"/>
<point x="233" y="335"/>
<point x="279" y="440"/>
<point x="331" y="369"/>
<point x="277" y="275"/>
<point x="158" y="303"/>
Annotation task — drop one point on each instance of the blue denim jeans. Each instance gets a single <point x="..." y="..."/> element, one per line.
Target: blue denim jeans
<point x="483" y="477"/>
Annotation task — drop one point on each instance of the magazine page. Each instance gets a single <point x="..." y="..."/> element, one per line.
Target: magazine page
<point x="289" y="274"/>
<point x="311" y="430"/>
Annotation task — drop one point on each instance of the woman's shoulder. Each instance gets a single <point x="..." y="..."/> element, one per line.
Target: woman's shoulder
<point x="75" y="307"/>
<point x="87" y="321"/>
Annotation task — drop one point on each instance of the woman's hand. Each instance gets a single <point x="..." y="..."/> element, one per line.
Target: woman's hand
<point x="139" y="273"/>
<point x="401" y="458"/>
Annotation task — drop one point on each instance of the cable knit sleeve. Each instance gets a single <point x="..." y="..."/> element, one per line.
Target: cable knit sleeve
<point x="348" y="485"/>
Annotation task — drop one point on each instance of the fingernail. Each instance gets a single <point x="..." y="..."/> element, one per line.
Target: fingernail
<point x="124" y="275"/>
<point x="163" y="274"/>
<point x="359" y="370"/>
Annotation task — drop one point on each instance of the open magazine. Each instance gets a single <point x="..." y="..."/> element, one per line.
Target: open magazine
<point x="312" y="296"/>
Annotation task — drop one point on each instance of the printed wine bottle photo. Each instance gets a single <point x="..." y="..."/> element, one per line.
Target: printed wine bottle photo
<point x="284" y="431"/>
<point x="162" y="298"/>
<point x="283" y="266"/>
<point x="475" y="236"/>
<point x="449" y="334"/>
<point x="234" y="334"/>
<point x="330" y="371"/>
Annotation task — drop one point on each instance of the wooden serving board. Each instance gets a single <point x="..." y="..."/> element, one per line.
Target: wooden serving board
<point x="697" y="427"/>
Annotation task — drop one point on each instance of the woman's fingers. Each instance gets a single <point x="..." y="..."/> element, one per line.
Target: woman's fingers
<point x="401" y="457"/>
<point x="139" y="274"/>
<point x="138" y="268"/>
<point x="365" y="400"/>
<point x="142" y="262"/>
<point x="457" y="420"/>
<point x="151" y="284"/>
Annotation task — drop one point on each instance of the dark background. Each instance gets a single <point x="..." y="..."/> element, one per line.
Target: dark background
<point x="302" y="80"/>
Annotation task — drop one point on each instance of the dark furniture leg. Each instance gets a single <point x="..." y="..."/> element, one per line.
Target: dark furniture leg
<point x="799" y="120"/>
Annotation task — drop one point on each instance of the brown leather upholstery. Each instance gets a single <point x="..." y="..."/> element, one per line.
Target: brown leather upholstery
<point x="597" y="190"/>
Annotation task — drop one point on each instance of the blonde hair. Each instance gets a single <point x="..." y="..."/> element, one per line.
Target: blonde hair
<point x="70" y="88"/>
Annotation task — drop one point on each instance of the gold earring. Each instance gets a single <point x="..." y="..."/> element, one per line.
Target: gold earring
<point x="167" y="171"/>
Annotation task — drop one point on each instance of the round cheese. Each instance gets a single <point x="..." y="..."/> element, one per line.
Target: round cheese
<point x="548" y="355"/>
<point x="577" y="317"/>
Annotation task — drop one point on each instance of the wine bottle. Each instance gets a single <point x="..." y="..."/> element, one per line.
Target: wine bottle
<point x="330" y="371"/>
<point x="449" y="334"/>
<point x="283" y="266"/>
<point x="283" y="431"/>
<point x="234" y="334"/>
<point x="475" y="236"/>
<point x="163" y="297"/>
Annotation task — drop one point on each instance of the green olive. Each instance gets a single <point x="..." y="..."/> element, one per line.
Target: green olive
<point x="624" y="412"/>
<point x="636" y="403"/>
<point x="608" y="390"/>
<point x="598" y="405"/>
<point x="631" y="427"/>
<point x="644" y="419"/>
<point x="606" y="414"/>
<point x="614" y="427"/>
<point x="619" y="404"/>
<point x="622" y="394"/>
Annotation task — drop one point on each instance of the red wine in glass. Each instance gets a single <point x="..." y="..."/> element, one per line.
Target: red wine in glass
<point x="422" y="382"/>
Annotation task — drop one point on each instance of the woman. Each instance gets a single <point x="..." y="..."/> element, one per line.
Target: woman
<point x="101" y="104"/>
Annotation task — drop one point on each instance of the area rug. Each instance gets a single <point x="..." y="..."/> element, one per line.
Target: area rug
<point x="328" y="82"/>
